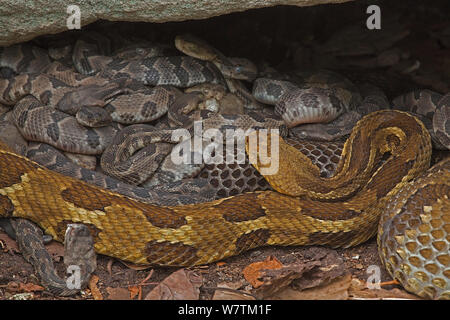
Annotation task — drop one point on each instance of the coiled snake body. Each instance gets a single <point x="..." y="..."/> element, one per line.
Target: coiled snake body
<point x="386" y="150"/>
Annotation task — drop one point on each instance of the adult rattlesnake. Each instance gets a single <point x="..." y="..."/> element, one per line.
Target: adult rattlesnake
<point x="386" y="150"/>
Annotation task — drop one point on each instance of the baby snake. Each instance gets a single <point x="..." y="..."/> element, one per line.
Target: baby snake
<point x="385" y="151"/>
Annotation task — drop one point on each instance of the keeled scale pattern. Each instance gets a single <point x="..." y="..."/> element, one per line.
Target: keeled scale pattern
<point x="235" y="178"/>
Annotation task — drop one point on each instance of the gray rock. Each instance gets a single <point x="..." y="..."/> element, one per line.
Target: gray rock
<point x="22" y="20"/>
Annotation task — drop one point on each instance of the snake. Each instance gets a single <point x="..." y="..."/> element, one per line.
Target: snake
<point x="413" y="237"/>
<point x="163" y="63"/>
<point x="385" y="152"/>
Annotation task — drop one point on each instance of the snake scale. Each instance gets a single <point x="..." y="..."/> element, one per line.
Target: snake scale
<point x="378" y="161"/>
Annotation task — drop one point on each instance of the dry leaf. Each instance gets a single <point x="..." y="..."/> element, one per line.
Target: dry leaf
<point x="181" y="285"/>
<point x="135" y="291"/>
<point x="252" y="272"/>
<point x="23" y="287"/>
<point x="96" y="294"/>
<point x="338" y="289"/>
<point x="118" y="294"/>
<point x="319" y="266"/>
<point x="11" y="245"/>
<point x="225" y="294"/>
<point x="144" y="282"/>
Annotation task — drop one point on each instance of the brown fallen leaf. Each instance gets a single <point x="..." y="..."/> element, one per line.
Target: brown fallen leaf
<point x="55" y="249"/>
<point x="318" y="266"/>
<point x="30" y="287"/>
<point x="337" y="289"/>
<point x="96" y="294"/>
<point x="231" y="294"/>
<point x="183" y="284"/>
<point x="118" y="294"/>
<point x="252" y="272"/>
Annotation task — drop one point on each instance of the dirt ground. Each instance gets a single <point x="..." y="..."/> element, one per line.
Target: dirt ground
<point x="16" y="275"/>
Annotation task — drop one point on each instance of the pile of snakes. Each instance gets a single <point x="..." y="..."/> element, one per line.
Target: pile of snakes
<point x="86" y="143"/>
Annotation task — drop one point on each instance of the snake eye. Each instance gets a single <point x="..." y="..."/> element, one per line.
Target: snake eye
<point x="238" y="69"/>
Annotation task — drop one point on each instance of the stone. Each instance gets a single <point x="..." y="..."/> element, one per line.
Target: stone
<point x="22" y="20"/>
